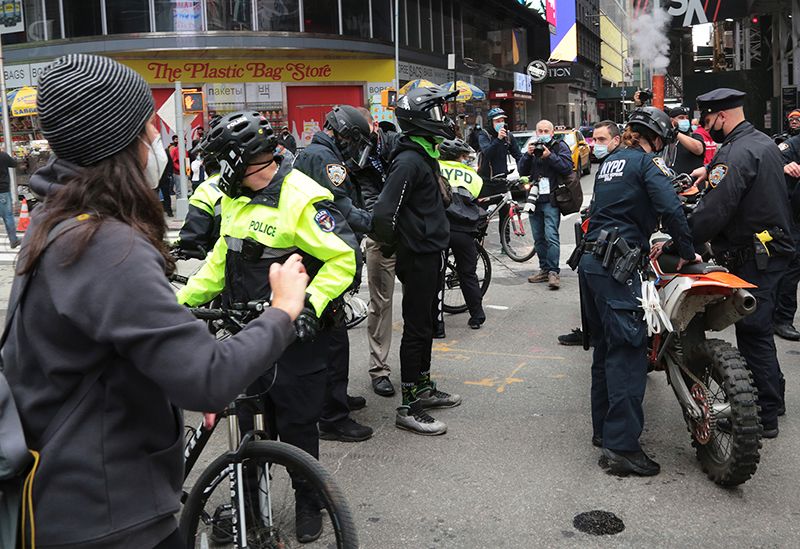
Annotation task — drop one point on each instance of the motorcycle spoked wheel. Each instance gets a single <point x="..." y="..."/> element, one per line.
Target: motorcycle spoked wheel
<point x="729" y="459"/>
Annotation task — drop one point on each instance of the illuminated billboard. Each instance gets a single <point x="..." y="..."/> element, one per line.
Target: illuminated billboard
<point x="545" y="8"/>
<point x="564" y="43"/>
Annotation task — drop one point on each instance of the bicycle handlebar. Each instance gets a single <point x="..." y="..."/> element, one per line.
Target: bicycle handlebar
<point x="203" y="313"/>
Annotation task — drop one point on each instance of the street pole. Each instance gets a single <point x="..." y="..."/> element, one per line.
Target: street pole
<point x="183" y="202"/>
<point x="397" y="51"/>
<point x="12" y="172"/>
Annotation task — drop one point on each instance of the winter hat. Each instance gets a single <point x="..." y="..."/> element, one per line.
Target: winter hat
<point x="91" y="107"/>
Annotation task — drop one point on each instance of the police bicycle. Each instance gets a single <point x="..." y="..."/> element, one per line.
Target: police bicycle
<point x="516" y="235"/>
<point x="246" y="497"/>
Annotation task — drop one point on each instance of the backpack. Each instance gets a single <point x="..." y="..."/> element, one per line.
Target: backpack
<point x="18" y="463"/>
<point x="567" y="194"/>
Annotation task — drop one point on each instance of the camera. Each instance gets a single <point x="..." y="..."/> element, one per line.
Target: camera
<point x="538" y="148"/>
<point x="645" y="95"/>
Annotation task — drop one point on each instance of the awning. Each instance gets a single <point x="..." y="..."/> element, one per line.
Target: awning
<point x="518" y="96"/>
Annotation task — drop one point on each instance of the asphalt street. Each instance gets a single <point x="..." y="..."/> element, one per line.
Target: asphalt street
<point x="516" y="465"/>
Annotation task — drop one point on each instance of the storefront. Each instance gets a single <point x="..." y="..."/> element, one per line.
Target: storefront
<point x="515" y="104"/>
<point x="286" y="92"/>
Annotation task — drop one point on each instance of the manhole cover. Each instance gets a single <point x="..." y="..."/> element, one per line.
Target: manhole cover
<point x="598" y="523"/>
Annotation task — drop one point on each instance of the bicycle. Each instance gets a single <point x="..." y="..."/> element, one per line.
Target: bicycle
<point x="453" y="300"/>
<point x="516" y="235"/>
<point x="246" y="497"/>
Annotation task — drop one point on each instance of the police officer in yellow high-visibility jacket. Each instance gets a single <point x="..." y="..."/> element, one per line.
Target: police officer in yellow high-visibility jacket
<point x="464" y="217"/>
<point x="270" y="212"/>
<point x="200" y="229"/>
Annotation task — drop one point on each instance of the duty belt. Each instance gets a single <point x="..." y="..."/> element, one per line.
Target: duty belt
<point x="588" y="246"/>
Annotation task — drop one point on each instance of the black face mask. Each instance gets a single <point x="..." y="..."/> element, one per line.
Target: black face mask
<point x="717" y="135"/>
<point x="373" y="137"/>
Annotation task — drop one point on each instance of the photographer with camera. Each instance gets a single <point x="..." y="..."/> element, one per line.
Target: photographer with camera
<point x="686" y="153"/>
<point x="642" y="96"/>
<point x="545" y="161"/>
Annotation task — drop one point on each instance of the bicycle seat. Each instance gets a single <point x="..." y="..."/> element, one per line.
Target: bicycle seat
<point x="668" y="263"/>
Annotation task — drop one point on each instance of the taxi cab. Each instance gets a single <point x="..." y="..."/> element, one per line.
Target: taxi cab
<point x="580" y="149"/>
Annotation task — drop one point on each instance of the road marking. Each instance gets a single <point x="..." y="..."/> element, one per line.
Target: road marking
<point x="500" y="307"/>
<point x="446" y="348"/>
<point x="492" y="381"/>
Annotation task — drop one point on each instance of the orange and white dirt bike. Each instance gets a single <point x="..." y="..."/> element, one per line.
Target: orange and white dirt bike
<point x="709" y="376"/>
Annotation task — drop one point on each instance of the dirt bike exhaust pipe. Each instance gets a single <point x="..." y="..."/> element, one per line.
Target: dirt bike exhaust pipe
<point x="734" y="308"/>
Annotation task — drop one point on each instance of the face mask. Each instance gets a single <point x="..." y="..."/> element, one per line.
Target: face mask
<point x="545" y="138"/>
<point x="601" y="151"/>
<point x="694" y="127"/>
<point x="499" y="126"/>
<point x="717" y="135"/>
<point x="684" y="125"/>
<point x="156" y="162"/>
<point x="465" y="161"/>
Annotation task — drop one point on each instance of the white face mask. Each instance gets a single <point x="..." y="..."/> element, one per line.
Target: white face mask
<point x="156" y="161"/>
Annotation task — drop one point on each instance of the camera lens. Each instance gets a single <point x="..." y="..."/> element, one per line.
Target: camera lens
<point x="538" y="150"/>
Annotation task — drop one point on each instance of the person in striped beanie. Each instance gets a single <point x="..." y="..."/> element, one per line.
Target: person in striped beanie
<point x="100" y="348"/>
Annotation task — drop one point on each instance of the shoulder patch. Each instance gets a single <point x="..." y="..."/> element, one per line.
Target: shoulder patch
<point x="783" y="146"/>
<point x="336" y="174"/>
<point x="658" y="161"/>
<point x="325" y="221"/>
<point x="716" y="175"/>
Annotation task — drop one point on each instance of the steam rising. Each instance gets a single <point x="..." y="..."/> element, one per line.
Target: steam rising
<point x="649" y="40"/>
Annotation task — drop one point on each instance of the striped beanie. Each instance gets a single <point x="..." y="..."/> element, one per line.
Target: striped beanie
<point x="91" y="107"/>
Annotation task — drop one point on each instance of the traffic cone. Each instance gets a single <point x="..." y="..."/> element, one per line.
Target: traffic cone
<point x="24" y="218"/>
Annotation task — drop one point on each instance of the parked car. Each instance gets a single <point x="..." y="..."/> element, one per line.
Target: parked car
<point x="580" y="149"/>
<point x="587" y="132"/>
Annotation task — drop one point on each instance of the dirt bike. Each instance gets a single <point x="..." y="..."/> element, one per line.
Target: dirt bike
<point x="709" y="376"/>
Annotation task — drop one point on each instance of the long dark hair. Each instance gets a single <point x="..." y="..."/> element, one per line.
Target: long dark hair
<point x="114" y="188"/>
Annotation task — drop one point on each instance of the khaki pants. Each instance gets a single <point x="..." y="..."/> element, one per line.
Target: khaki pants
<point x="380" y="279"/>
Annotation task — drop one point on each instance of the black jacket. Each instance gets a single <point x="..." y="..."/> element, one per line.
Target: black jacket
<point x="747" y="195"/>
<point x="410" y="212"/>
<point x="6" y="162"/>
<point x="369" y="178"/>
<point x="322" y="162"/>
<point x="559" y="163"/>
<point x="494" y="153"/>
<point x="290" y="143"/>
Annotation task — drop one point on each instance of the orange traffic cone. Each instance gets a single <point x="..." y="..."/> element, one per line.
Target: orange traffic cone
<point x="24" y="218"/>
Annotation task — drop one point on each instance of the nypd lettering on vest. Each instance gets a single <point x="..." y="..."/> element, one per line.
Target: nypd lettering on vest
<point x="611" y="169"/>
<point x="325" y="221"/>
<point x="261" y="227"/>
<point x="454" y="175"/>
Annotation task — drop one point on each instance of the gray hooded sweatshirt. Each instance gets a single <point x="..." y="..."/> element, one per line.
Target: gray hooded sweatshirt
<point x="111" y="475"/>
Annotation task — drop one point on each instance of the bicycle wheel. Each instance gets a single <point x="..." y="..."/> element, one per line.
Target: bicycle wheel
<point x="213" y="509"/>
<point x="516" y="236"/>
<point x="453" y="300"/>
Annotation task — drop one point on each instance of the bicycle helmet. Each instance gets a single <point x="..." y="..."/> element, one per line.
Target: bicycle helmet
<point x="233" y="141"/>
<point x="453" y="149"/>
<point x="495" y="113"/>
<point x="351" y="133"/>
<point x="420" y="113"/>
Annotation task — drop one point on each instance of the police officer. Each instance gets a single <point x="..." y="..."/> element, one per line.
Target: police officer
<point x="786" y="304"/>
<point x="200" y="229"/>
<point x="746" y="216"/>
<point x="345" y="138"/>
<point x="269" y="212"/>
<point x="631" y="190"/>
<point x="409" y="217"/>
<point x="464" y="216"/>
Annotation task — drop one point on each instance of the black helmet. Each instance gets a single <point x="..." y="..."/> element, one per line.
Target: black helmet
<point x="351" y="132"/>
<point x="652" y="118"/>
<point x="453" y="149"/>
<point x="420" y="112"/>
<point x="233" y="141"/>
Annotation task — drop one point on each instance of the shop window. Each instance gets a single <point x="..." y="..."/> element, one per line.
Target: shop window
<point x="278" y="15"/>
<point x="178" y="16"/>
<point x="412" y="10"/>
<point x="229" y="15"/>
<point x="382" y="19"/>
<point x="34" y="23"/>
<point x="426" y="24"/>
<point x="81" y="17"/>
<point x="355" y="18"/>
<point x="438" y="26"/>
<point x="127" y="16"/>
<point x="321" y="16"/>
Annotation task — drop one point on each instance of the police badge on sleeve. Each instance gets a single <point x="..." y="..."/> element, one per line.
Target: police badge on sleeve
<point x="716" y="174"/>
<point x="325" y="221"/>
<point x="783" y="146"/>
<point x="336" y="174"/>
<point x="661" y="165"/>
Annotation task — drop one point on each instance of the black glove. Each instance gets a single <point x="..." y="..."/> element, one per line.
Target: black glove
<point x="387" y="250"/>
<point x="672" y="135"/>
<point x="306" y="325"/>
